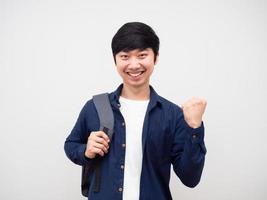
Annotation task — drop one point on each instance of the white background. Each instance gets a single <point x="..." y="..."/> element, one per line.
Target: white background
<point x="54" y="55"/>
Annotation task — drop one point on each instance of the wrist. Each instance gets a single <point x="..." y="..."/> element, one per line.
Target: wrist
<point x="88" y="155"/>
<point x="194" y="124"/>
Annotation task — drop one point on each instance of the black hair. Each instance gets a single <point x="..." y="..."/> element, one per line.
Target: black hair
<point x="135" y="35"/>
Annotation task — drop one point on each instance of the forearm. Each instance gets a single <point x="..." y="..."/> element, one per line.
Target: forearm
<point x="189" y="165"/>
<point x="76" y="152"/>
<point x="75" y="143"/>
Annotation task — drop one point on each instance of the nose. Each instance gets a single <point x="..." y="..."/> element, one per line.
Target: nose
<point x="134" y="63"/>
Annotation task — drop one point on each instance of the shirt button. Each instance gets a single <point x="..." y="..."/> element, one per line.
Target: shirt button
<point x="120" y="189"/>
<point x="122" y="166"/>
<point x="194" y="136"/>
<point x="123" y="124"/>
<point x="119" y="105"/>
<point x="123" y="145"/>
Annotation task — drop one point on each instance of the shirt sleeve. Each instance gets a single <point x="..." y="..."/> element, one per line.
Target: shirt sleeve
<point x="188" y="152"/>
<point x="75" y="144"/>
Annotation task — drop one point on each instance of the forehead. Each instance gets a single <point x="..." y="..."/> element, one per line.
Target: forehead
<point x="134" y="51"/>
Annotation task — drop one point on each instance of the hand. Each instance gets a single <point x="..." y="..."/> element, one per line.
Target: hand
<point x="193" y="110"/>
<point x="97" y="143"/>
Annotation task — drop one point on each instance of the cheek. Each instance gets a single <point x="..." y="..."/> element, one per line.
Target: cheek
<point x="150" y="65"/>
<point x="121" y="64"/>
<point x="149" y="61"/>
<point x="120" y="69"/>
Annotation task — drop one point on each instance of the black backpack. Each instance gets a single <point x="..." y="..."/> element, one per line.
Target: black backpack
<point x="106" y="118"/>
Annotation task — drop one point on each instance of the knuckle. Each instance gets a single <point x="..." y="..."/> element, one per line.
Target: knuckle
<point x="93" y="133"/>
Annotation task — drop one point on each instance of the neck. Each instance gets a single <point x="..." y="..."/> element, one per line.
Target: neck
<point x="136" y="93"/>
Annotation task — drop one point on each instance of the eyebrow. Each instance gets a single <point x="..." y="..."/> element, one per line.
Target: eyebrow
<point x="139" y="50"/>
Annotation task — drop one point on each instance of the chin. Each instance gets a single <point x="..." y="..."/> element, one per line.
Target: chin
<point x="136" y="84"/>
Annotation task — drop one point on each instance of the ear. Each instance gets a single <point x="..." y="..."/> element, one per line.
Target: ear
<point x="114" y="58"/>
<point x="157" y="58"/>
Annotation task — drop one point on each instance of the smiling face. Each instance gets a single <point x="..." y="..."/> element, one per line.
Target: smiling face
<point x="136" y="66"/>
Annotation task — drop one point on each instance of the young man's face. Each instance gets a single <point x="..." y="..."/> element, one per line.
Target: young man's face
<point x="136" y="66"/>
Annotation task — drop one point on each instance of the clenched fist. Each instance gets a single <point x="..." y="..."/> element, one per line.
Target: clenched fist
<point x="97" y="143"/>
<point x="193" y="110"/>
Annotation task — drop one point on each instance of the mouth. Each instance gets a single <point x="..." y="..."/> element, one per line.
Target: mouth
<point x="135" y="74"/>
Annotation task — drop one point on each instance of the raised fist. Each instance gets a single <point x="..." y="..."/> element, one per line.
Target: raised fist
<point x="193" y="110"/>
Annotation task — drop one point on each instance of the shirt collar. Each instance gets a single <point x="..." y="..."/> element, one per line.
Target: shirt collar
<point x="154" y="97"/>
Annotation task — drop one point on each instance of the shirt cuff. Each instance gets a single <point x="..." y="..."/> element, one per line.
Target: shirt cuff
<point x="196" y="134"/>
<point x="84" y="159"/>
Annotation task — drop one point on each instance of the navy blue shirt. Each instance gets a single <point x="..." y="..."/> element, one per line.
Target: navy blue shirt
<point x="166" y="139"/>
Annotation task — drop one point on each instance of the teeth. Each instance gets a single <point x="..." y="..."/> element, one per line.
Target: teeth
<point x="135" y="75"/>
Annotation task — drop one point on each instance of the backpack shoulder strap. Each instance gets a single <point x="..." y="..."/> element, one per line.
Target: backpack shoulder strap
<point x="105" y="113"/>
<point x="106" y="118"/>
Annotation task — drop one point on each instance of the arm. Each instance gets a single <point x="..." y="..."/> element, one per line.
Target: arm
<point x="82" y="145"/>
<point x="75" y="144"/>
<point x="188" y="152"/>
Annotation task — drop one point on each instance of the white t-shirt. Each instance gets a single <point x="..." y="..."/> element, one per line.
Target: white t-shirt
<point x="133" y="112"/>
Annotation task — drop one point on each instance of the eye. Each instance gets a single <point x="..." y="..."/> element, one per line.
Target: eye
<point x="124" y="57"/>
<point x="142" y="55"/>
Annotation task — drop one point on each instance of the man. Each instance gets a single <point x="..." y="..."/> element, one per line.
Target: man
<point x="150" y="132"/>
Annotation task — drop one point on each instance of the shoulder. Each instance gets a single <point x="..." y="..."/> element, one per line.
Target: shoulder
<point x="88" y="108"/>
<point x="169" y="105"/>
<point x="171" y="112"/>
<point x="88" y="105"/>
